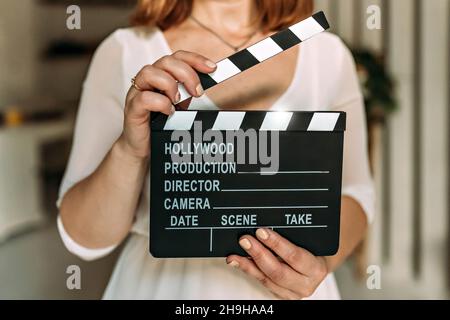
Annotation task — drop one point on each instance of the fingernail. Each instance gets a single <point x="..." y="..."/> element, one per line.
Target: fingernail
<point x="177" y="97"/>
<point x="210" y="64"/>
<point x="234" y="264"/>
<point x="172" y="110"/>
<point x="199" y="89"/>
<point x="245" y="244"/>
<point x="262" y="234"/>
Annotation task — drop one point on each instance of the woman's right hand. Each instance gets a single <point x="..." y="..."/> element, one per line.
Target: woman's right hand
<point x="158" y="93"/>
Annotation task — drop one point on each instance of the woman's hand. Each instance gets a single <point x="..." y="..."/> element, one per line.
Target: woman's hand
<point x="158" y="92"/>
<point x="294" y="275"/>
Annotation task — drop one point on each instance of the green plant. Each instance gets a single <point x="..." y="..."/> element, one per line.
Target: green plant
<point x="377" y="84"/>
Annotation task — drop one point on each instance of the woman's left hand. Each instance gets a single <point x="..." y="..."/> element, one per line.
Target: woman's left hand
<point x="294" y="275"/>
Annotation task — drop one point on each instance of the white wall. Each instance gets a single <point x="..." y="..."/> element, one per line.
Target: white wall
<point x="435" y="142"/>
<point x="17" y="50"/>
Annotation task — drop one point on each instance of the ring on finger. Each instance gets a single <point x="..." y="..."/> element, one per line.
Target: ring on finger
<point x="135" y="85"/>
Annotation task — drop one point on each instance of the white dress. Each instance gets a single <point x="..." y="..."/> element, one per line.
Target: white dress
<point x="325" y="79"/>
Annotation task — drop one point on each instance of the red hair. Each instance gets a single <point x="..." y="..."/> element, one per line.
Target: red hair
<point x="271" y="15"/>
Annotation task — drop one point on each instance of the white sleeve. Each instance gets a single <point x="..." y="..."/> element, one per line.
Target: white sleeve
<point x="356" y="177"/>
<point x="78" y="250"/>
<point x="99" y="124"/>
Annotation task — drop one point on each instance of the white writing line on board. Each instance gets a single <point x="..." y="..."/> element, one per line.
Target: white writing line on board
<point x="245" y="227"/>
<point x="277" y="207"/>
<point x="210" y="240"/>
<point x="273" y="190"/>
<point x="283" y="172"/>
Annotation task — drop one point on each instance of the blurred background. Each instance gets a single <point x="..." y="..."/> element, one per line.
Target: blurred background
<point x="405" y="73"/>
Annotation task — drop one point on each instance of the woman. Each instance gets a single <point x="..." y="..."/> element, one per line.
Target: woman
<point x="104" y="194"/>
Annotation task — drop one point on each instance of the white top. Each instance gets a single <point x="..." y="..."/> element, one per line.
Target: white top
<point x="325" y="79"/>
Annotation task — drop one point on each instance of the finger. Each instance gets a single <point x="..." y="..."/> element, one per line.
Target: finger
<point x="250" y="268"/>
<point x="183" y="72"/>
<point x="151" y="78"/>
<point x="277" y="271"/>
<point x="146" y="101"/>
<point x="298" y="258"/>
<point x="196" y="61"/>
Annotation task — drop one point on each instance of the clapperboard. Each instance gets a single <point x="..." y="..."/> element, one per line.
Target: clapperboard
<point x="280" y="170"/>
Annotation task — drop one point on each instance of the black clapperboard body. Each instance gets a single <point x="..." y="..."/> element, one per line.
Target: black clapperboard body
<point x="202" y="212"/>
<point x="300" y="200"/>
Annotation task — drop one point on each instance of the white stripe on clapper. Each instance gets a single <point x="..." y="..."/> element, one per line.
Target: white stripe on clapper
<point x="264" y="49"/>
<point x="183" y="92"/>
<point x="276" y="121"/>
<point x="230" y="120"/>
<point x="180" y="120"/>
<point x="225" y="70"/>
<point x="323" y="121"/>
<point x="306" y="29"/>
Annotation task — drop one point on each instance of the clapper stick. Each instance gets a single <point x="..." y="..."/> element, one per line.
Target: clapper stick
<point x="260" y="51"/>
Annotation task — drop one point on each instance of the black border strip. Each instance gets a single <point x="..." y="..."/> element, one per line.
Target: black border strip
<point x="243" y="60"/>
<point x="206" y="80"/>
<point x="417" y="140"/>
<point x="321" y="19"/>
<point x="285" y="39"/>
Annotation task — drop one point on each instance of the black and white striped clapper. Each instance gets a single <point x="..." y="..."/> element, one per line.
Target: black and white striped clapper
<point x="217" y="175"/>
<point x="261" y="51"/>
